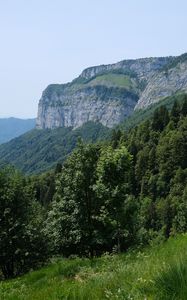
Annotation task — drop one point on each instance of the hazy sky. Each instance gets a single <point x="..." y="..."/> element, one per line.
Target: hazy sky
<point x="52" y="41"/>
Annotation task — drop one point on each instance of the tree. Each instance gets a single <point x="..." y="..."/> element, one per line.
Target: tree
<point x="184" y="107"/>
<point x="160" y="118"/>
<point x="115" y="138"/>
<point x="175" y="112"/>
<point x="18" y="231"/>
<point x="71" y="223"/>
<point x="113" y="187"/>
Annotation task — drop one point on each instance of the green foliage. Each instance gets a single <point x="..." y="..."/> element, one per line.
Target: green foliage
<point x="21" y="242"/>
<point x="112" y="187"/>
<point x="160" y="118"/>
<point x="71" y="223"/>
<point x="126" y="192"/>
<point x="130" y="191"/>
<point x="91" y="203"/>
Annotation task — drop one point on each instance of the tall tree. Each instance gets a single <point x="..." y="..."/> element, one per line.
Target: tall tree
<point x="72" y="222"/>
<point x="21" y="241"/>
<point x="113" y="187"/>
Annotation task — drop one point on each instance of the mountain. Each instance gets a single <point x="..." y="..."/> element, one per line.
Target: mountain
<point x="13" y="127"/>
<point x="40" y="150"/>
<point x="119" y="95"/>
<point x="109" y="93"/>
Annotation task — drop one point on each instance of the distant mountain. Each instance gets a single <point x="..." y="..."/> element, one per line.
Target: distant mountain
<point x="110" y="93"/>
<point x="13" y="127"/>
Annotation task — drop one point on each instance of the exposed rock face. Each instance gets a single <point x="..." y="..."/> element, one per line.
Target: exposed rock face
<point x="85" y="105"/>
<point x="163" y="84"/>
<point x="109" y="93"/>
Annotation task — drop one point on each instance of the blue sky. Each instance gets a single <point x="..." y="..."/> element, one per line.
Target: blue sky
<point x="52" y="41"/>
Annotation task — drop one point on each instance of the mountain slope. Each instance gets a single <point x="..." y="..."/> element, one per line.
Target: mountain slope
<point x="40" y="150"/>
<point x="141" y="115"/>
<point x="13" y="127"/>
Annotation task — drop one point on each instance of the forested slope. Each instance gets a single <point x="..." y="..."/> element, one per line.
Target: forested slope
<point x="125" y="193"/>
<point x="40" y="150"/>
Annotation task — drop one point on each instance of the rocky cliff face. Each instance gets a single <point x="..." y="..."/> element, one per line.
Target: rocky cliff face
<point x="144" y="68"/>
<point x="109" y="93"/>
<point x="99" y="104"/>
<point x="165" y="83"/>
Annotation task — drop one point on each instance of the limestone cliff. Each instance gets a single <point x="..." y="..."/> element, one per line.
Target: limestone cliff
<point x="105" y="105"/>
<point x="109" y="93"/>
<point x="170" y="80"/>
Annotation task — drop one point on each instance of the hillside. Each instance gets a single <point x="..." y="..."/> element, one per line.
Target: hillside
<point x="142" y="115"/>
<point x="107" y="198"/>
<point x="110" y="93"/>
<point x="39" y="150"/>
<point x="13" y="127"/>
<point x="156" y="273"/>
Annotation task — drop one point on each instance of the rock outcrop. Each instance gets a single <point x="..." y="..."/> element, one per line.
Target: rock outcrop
<point x="98" y="103"/>
<point x="109" y="93"/>
<point x="165" y="83"/>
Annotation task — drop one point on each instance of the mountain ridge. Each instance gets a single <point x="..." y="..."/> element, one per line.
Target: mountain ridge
<point x="110" y="93"/>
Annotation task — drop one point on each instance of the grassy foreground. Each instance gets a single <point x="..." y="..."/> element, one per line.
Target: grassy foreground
<point x="158" y="272"/>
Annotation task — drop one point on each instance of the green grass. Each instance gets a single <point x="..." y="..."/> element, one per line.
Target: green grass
<point x="108" y="80"/>
<point x="171" y="283"/>
<point x="157" y="273"/>
<point x="119" y="80"/>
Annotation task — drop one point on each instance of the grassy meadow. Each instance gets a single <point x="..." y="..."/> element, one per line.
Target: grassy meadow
<point x="158" y="272"/>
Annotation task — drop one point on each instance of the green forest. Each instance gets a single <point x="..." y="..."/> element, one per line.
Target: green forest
<point x="108" y="196"/>
<point x="112" y="196"/>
